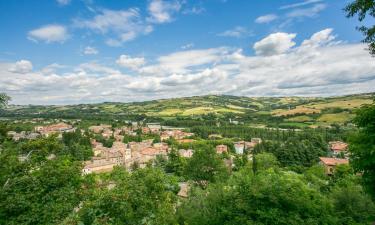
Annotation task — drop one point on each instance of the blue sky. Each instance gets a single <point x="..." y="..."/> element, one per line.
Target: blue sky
<point x="73" y="51"/>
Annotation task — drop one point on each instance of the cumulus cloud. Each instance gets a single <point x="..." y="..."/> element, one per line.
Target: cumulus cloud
<point x="320" y="38"/>
<point x="266" y="18"/>
<point x="274" y="44"/>
<point x="131" y="63"/>
<point x="22" y="66"/>
<point x="125" y="25"/>
<point x="162" y="11"/>
<point x="49" y="33"/>
<point x="90" y="51"/>
<point x="320" y="65"/>
<point x="236" y="32"/>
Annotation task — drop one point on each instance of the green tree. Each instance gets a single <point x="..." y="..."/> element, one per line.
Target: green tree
<point x="362" y="146"/>
<point x="205" y="166"/>
<point x="41" y="195"/>
<point x="351" y="203"/>
<point x="269" y="197"/>
<point x="146" y="196"/>
<point x="175" y="163"/>
<point x="4" y="99"/>
<point x="364" y="8"/>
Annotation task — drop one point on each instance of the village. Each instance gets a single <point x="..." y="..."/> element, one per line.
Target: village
<point x="142" y="153"/>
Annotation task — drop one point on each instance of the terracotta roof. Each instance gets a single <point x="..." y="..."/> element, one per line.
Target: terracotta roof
<point x="338" y="146"/>
<point x="149" y="151"/>
<point x="333" y="161"/>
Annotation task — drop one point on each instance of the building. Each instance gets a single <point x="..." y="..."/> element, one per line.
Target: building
<point x="241" y="146"/>
<point x="331" y="163"/>
<point x="338" y="147"/>
<point x="220" y="149"/>
<point x="99" y="129"/>
<point x="58" y="128"/>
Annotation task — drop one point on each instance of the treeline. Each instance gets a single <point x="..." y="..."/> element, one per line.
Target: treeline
<point x="246" y="132"/>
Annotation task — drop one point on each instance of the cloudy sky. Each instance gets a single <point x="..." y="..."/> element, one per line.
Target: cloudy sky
<point x="85" y="51"/>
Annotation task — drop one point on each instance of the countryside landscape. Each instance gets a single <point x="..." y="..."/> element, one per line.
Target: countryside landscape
<point x="179" y="112"/>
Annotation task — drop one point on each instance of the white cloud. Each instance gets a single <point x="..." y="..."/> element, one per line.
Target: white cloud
<point x="49" y="33"/>
<point x="131" y="63"/>
<point x="22" y="66"/>
<point x="162" y="11"/>
<point x="274" y="44"/>
<point x="319" y="66"/>
<point x="125" y="25"/>
<point x="320" y="38"/>
<point x="299" y="4"/>
<point x="90" y="51"/>
<point x="266" y="18"/>
<point x="51" y="69"/>
<point x="236" y="32"/>
<point x="63" y="2"/>
<point x="306" y="12"/>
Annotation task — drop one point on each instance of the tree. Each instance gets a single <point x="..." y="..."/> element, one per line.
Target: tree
<point x="205" y="166"/>
<point x="45" y="195"/>
<point x="175" y="163"/>
<point x="4" y="99"/>
<point x="362" y="8"/>
<point x="351" y="203"/>
<point x="362" y="146"/>
<point x="268" y="197"/>
<point x="266" y="161"/>
<point x="146" y="196"/>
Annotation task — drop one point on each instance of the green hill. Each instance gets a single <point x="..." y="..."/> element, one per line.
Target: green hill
<point x="305" y="111"/>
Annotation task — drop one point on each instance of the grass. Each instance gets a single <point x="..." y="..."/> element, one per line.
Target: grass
<point x="343" y="104"/>
<point x="170" y="112"/>
<point x="300" y="119"/>
<point x="297" y="110"/>
<point x="336" y="118"/>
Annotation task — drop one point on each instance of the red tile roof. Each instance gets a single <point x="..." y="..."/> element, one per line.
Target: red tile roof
<point x="333" y="161"/>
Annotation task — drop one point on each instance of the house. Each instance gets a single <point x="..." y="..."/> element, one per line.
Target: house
<point x="185" y="153"/>
<point x="54" y="129"/>
<point x="106" y="158"/>
<point x="100" y="128"/>
<point x="22" y="135"/>
<point x="338" y="147"/>
<point x="331" y="163"/>
<point x="154" y="128"/>
<point x="220" y="149"/>
<point x="146" y="130"/>
<point x="240" y="146"/>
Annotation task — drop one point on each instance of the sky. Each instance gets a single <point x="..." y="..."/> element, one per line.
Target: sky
<point x="89" y="51"/>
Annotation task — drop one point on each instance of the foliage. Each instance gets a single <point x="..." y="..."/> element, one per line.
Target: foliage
<point x="364" y="8"/>
<point x="267" y="198"/>
<point x="147" y="196"/>
<point x="205" y="166"/>
<point x="362" y="146"/>
<point x="42" y="195"/>
<point x="77" y="145"/>
<point x="4" y="99"/>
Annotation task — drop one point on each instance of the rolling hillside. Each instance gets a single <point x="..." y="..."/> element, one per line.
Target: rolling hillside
<point x="289" y="110"/>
